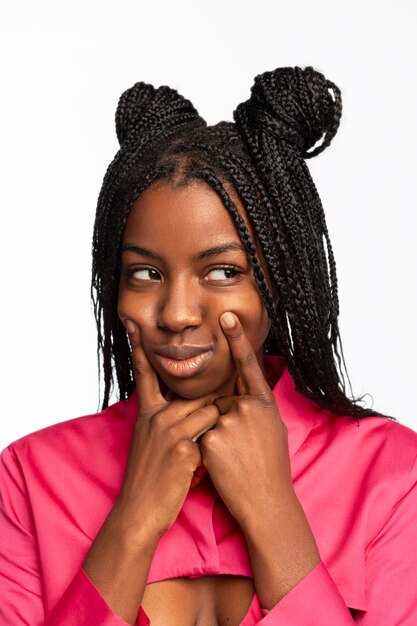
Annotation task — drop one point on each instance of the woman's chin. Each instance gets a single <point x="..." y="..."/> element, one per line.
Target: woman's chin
<point x="189" y="392"/>
<point x="194" y="389"/>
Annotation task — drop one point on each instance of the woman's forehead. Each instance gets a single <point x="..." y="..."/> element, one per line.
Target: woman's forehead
<point x="188" y="214"/>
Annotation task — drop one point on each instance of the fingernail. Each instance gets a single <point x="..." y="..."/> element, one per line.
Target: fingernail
<point x="228" y="320"/>
<point x="130" y="326"/>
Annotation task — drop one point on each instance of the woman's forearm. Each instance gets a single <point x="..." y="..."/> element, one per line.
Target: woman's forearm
<point x="118" y="563"/>
<point x="282" y="550"/>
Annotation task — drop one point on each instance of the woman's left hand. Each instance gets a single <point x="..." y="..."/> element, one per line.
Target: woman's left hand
<point x="246" y="454"/>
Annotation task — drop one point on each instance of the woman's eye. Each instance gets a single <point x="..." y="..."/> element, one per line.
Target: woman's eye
<point x="149" y="274"/>
<point x="144" y="273"/>
<point x="222" y="273"/>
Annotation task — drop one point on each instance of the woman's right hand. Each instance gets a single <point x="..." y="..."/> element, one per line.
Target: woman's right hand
<point x="163" y="454"/>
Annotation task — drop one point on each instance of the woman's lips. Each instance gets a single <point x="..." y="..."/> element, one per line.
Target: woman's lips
<point x="183" y="368"/>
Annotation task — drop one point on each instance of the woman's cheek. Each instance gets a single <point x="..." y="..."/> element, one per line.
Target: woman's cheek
<point x="253" y="317"/>
<point x="139" y="310"/>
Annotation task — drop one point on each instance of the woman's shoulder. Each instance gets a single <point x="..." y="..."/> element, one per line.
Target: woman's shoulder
<point x="338" y="435"/>
<point x="76" y="436"/>
<point x="378" y="432"/>
<point x="374" y="450"/>
<point x="72" y="470"/>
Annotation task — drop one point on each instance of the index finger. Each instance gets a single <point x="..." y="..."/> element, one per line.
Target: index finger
<point x="247" y="365"/>
<point x="146" y="380"/>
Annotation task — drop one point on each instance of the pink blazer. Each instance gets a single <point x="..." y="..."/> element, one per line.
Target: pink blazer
<point x="357" y="485"/>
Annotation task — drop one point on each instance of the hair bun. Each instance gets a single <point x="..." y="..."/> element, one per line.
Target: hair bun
<point x="144" y="109"/>
<point x="295" y="105"/>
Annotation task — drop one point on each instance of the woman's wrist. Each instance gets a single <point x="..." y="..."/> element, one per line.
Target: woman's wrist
<point x="135" y="530"/>
<point x="118" y="564"/>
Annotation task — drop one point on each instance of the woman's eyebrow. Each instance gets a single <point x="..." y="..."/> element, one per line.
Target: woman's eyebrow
<point x="224" y="247"/>
<point x="139" y="250"/>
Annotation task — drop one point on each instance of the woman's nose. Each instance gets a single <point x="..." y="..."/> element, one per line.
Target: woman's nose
<point x="180" y="307"/>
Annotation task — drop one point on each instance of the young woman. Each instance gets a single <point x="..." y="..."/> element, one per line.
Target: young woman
<point x="235" y="482"/>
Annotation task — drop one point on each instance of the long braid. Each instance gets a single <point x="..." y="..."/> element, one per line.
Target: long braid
<point x="261" y="158"/>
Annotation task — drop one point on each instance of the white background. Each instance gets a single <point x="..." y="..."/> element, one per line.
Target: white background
<point x="64" y="66"/>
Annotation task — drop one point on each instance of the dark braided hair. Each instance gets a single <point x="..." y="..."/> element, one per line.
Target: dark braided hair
<point x="260" y="158"/>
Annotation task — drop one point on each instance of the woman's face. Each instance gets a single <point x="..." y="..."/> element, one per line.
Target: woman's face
<point x="183" y="265"/>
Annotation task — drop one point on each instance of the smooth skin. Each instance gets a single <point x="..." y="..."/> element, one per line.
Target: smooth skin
<point x="178" y="295"/>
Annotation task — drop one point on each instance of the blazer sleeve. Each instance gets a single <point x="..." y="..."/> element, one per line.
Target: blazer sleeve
<point x="390" y="578"/>
<point x="21" y="593"/>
